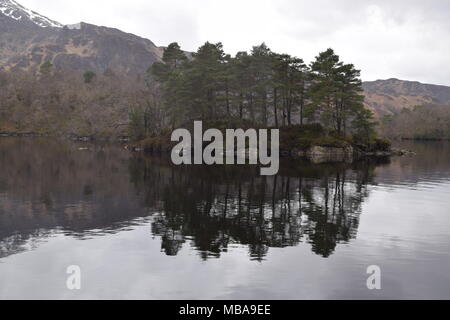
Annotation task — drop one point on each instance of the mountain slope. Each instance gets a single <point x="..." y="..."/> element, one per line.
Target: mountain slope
<point x="28" y="39"/>
<point x="390" y="97"/>
<point x="410" y="110"/>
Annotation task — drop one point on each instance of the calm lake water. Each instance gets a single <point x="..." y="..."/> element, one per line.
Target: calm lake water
<point x="140" y="228"/>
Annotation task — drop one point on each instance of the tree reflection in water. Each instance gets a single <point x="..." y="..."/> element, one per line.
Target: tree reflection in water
<point x="213" y="208"/>
<point x="50" y="187"/>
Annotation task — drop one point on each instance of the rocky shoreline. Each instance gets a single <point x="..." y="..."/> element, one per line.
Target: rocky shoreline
<point x="348" y="154"/>
<point x="315" y="154"/>
<point x="72" y="137"/>
<point x="28" y="135"/>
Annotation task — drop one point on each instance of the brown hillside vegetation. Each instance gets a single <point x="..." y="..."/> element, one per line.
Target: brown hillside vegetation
<point x="68" y="103"/>
<point x="390" y="97"/>
<point x="422" y="122"/>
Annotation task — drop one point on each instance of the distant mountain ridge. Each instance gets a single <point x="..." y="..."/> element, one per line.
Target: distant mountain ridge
<point x="28" y="39"/>
<point x="389" y="97"/>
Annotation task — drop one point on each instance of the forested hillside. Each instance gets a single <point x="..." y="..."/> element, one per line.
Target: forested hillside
<point x="57" y="102"/>
<point x="430" y="122"/>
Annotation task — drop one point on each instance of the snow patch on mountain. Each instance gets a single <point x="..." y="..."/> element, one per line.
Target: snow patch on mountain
<point x="76" y="26"/>
<point x="14" y="10"/>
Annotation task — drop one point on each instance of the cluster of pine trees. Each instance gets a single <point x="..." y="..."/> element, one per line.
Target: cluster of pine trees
<point x="263" y="88"/>
<point x="256" y="89"/>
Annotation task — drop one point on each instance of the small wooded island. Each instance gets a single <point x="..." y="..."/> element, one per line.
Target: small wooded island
<point x="318" y="108"/>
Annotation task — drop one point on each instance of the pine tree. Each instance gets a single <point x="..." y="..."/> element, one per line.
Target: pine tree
<point x="88" y="76"/>
<point x="169" y="73"/>
<point x="336" y="93"/>
<point x="261" y="69"/>
<point x="324" y="88"/>
<point x="46" y="68"/>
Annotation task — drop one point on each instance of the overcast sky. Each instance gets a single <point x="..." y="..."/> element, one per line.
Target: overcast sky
<point x="406" y="39"/>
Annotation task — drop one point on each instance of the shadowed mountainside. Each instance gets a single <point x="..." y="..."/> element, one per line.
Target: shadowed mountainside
<point x="27" y="40"/>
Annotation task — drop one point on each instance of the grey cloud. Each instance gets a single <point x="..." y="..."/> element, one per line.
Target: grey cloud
<point x="384" y="38"/>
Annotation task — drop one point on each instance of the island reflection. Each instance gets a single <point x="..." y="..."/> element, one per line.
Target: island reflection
<point x="215" y="207"/>
<point x="51" y="186"/>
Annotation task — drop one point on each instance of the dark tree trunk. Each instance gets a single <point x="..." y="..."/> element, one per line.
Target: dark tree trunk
<point x="275" y="106"/>
<point x="228" y="98"/>
<point x="241" y="106"/>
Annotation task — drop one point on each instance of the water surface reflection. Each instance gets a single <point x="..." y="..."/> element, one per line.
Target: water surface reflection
<point x="95" y="204"/>
<point x="213" y="207"/>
